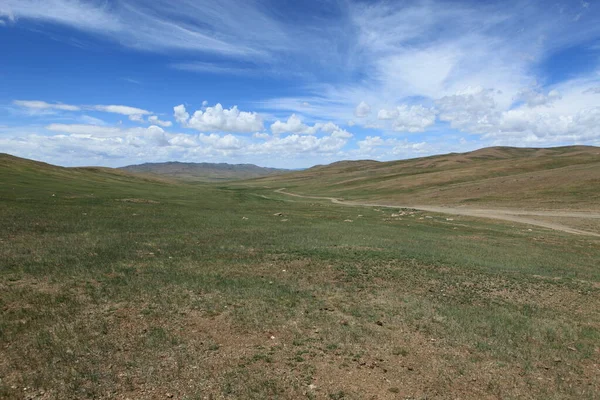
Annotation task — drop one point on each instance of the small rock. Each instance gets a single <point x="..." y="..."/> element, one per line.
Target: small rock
<point x="380" y="323"/>
<point x="278" y="214"/>
<point x="244" y="218"/>
<point x="312" y="386"/>
<point x="170" y="395"/>
<point x="557" y="360"/>
<point x="572" y="348"/>
<point x="348" y="220"/>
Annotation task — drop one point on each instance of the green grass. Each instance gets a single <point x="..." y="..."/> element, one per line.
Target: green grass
<point x="112" y="286"/>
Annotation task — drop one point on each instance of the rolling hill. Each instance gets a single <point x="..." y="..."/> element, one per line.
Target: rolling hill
<point x="205" y="172"/>
<point x="548" y="178"/>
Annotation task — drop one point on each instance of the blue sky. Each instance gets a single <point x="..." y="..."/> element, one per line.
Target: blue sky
<point x="293" y="84"/>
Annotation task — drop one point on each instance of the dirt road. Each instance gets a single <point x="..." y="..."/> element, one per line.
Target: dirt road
<point x="519" y="216"/>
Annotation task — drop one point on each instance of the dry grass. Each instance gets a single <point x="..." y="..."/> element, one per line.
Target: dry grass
<point x="203" y="293"/>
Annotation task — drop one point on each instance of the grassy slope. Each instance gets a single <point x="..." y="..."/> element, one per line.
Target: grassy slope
<point x="113" y="287"/>
<point x="563" y="177"/>
<point x="202" y="172"/>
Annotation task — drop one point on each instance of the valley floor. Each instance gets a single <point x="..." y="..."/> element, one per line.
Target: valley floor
<point x="112" y="288"/>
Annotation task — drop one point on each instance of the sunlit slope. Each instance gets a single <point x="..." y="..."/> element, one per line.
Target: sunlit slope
<point x="21" y="178"/>
<point x="562" y="177"/>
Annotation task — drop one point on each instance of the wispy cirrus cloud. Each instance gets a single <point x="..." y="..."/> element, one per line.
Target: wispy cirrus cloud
<point x="224" y="27"/>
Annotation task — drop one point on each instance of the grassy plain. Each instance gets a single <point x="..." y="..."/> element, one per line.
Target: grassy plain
<point x="112" y="286"/>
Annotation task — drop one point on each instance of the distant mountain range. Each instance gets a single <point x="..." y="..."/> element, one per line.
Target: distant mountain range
<point x="203" y="172"/>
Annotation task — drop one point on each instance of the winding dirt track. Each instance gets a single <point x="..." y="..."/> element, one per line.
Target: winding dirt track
<point x="519" y="216"/>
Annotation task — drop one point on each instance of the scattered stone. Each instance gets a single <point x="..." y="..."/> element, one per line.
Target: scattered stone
<point x="170" y="395"/>
<point x="380" y="323"/>
<point x="312" y="386"/>
<point x="244" y="218"/>
<point x="278" y="214"/>
<point x="284" y="220"/>
<point x="557" y="360"/>
<point x="572" y="348"/>
<point x="449" y="219"/>
<point x="359" y="216"/>
<point x="348" y="220"/>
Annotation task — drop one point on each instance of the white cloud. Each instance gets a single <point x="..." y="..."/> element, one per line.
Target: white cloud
<point x="534" y="97"/>
<point x="225" y="27"/>
<point x="123" y="110"/>
<point x="219" y="119"/>
<point x="86" y="119"/>
<point x="473" y="108"/>
<point x="227" y="142"/>
<point x="115" y="145"/>
<point x="405" y="118"/>
<point x="376" y="146"/>
<point x="295" y="144"/>
<point x="294" y="125"/>
<point x="153" y="119"/>
<point x="134" y="114"/>
<point x="362" y="110"/>
<point x="213" y="68"/>
<point x="592" y="90"/>
<point x="181" y="115"/>
<point x="42" y="105"/>
<point x="137" y="118"/>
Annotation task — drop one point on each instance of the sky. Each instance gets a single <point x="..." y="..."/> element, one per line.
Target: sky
<point x="291" y="84"/>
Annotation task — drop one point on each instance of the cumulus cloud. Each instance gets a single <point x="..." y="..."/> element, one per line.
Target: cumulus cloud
<point x="534" y="97"/>
<point x="295" y="144"/>
<point x="362" y="110"/>
<point x="391" y="147"/>
<point x="406" y="118"/>
<point x="295" y="125"/>
<point x="558" y="117"/>
<point x="153" y="119"/>
<point x="180" y="114"/>
<point x="219" y="119"/>
<point x="472" y="108"/>
<point x="115" y="145"/>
